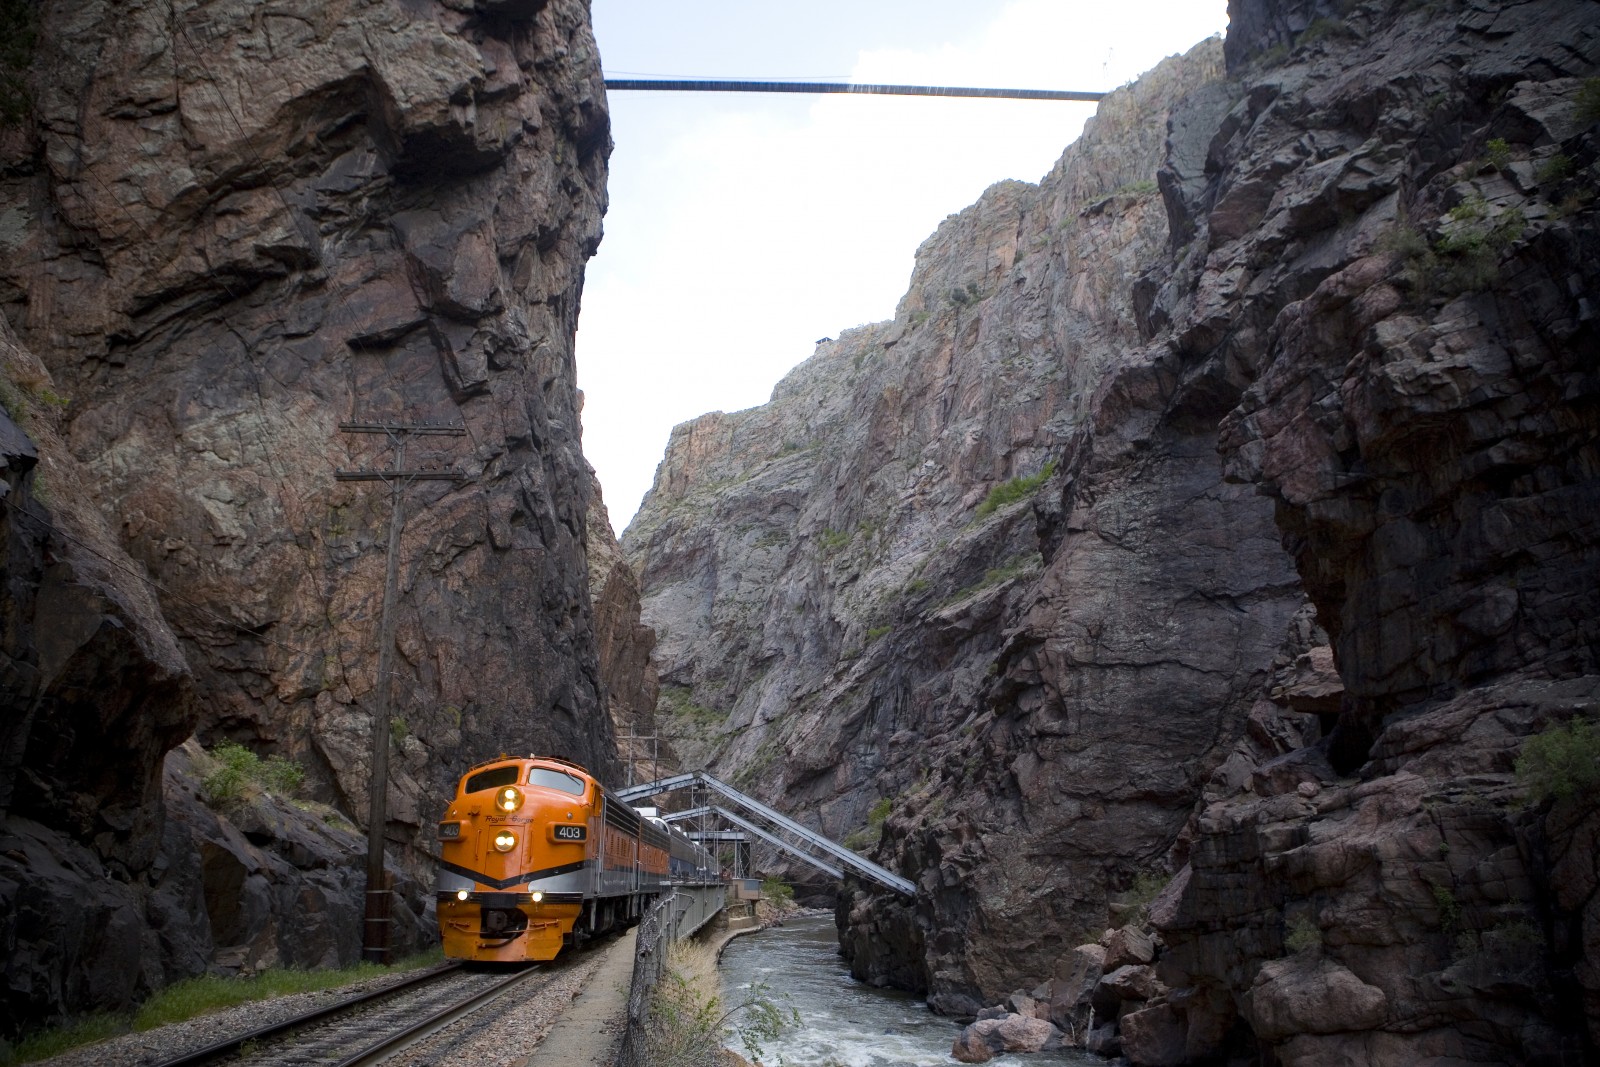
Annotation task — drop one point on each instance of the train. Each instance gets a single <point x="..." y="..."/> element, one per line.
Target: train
<point x="535" y="854"/>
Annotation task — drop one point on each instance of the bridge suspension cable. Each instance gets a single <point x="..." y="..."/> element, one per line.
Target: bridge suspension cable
<point x="711" y="85"/>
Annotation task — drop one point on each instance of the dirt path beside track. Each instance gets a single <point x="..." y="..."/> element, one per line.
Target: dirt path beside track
<point x="589" y="1032"/>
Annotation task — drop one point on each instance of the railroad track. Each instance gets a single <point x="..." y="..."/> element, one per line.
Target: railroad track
<point x="370" y="1028"/>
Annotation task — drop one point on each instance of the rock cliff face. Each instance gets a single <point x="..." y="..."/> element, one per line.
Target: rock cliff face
<point x="1299" y="353"/>
<point x="224" y="232"/>
<point x="632" y="686"/>
<point x="850" y="619"/>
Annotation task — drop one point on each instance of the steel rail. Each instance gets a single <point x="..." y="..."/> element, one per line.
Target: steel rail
<point x="233" y="1045"/>
<point x="426" y="1028"/>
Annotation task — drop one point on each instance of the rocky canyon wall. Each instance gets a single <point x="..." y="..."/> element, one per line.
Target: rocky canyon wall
<point x="1285" y="379"/>
<point x="225" y="232"/>
<point x="848" y="623"/>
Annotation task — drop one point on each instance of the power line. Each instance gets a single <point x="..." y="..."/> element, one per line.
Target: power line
<point x="702" y="85"/>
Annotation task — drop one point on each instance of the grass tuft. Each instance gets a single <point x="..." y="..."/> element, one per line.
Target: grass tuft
<point x="199" y="996"/>
<point x="1014" y="490"/>
<point x="1303" y="935"/>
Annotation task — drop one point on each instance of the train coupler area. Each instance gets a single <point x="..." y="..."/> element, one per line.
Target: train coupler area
<point x="502" y="922"/>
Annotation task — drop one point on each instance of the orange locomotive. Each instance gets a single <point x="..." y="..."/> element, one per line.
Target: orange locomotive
<point x="535" y="853"/>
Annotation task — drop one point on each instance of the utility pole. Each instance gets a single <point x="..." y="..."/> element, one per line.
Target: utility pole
<point x="655" y="754"/>
<point x="375" y="918"/>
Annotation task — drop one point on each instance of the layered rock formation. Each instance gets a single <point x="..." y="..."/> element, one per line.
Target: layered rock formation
<point x="854" y="623"/>
<point x="631" y="684"/>
<point x="224" y="233"/>
<point x="1308" y="341"/>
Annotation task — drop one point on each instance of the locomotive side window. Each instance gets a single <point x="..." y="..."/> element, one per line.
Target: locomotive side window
<point x="555" y="780"/>
<point x="492" y="779"/>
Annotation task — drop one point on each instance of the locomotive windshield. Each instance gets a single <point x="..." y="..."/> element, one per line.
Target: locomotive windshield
<point x="492" y="778"/>
<point x="555" y="780"/>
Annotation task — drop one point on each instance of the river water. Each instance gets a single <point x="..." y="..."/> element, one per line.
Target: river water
<point x="845" y="1023"/>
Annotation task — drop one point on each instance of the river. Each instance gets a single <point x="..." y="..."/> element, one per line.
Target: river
<point x="845" y="1023"/>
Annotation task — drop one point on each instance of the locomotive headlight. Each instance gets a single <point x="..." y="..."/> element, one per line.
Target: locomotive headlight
<point x="508" y="799"/>
<point x="461" y="894"/>
<point x="537" y="896"/>
<point x="505" y="840"/>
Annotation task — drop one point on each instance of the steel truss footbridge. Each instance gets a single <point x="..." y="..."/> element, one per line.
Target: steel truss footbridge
<point x="753" y="817"/>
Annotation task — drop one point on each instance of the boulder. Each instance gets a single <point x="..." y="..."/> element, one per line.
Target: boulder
<point x="978" y="1042"/>
<point x="1104" y="1040"/>
<point x="1129" y="945"/>
<point x="1306" y="995"/>
<point x="1072" y="990"/>
<point x="988" y="1038"/>
<point x="1028" y="1005"/>
<point x="1134" y="982"/>
<point x="1156" y="1036"/>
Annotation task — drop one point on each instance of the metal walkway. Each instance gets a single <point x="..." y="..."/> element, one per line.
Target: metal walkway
<point x="780" y="830"/>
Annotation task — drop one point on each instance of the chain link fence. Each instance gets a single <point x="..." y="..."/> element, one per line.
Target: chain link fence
<point x="656" y="932"/>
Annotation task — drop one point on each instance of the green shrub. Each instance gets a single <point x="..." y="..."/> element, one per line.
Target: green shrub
<point x="860" y="840"/>
<point x="1275" y="56"/>
<point x="1449" y="910"/>
<point x="1008" y="570"/>
<point x="1465" y="258"/>
<point x="675" y="701"/>
<point x="879" y="812"/>
<point x="1516" y="932"/>
<point x="878" y="631"/>
<point x="1555" y="170"/>
<point x="1303" y="935"/>
<point x="1560" y="763"/>
<point x="11" y="399"/>
<point x="1322" y="29"/>
<point x="1497" y="153"/>
<point x="1147" y="885"/>
<point x="1139" y="188"/>
<point x="775" y="890"/>
<point x="832" y="540"/>
<point x="687" y="1022"/>
<point x="282" y="776"/>
<point x="238" y="769"/>
<point x="1588" y="100"/>
<point x="961" y="297"/>
<point x="1014" y="490"/>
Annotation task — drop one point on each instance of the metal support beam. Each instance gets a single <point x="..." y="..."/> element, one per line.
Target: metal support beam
<point x="844" y="856"/>
<point x="773" y="839"/>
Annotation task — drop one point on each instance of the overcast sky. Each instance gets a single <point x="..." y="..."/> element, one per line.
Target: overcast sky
<point x="743" y="227"/>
